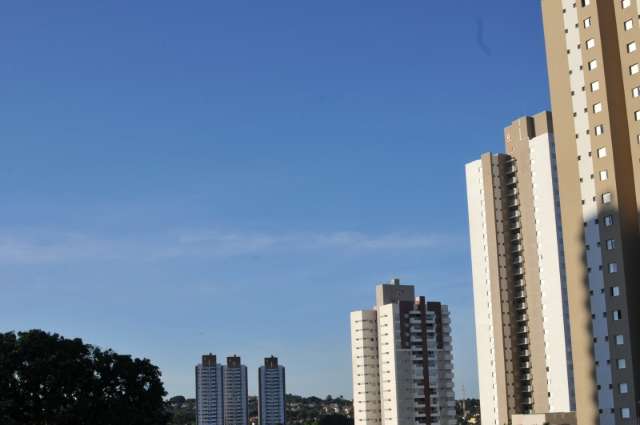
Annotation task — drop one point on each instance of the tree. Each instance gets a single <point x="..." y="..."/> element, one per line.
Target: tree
<point x="178" y="400"/>
<point x="46" y="379"/>
<point x="335" y="420"/>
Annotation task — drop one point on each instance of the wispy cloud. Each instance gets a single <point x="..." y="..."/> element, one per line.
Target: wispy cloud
<point x="55" y="247"/>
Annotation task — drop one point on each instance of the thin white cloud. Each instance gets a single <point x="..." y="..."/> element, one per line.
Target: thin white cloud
<point x="54" y="247"/>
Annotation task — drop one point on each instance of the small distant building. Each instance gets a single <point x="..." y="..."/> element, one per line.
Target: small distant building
<point x="271" y="403"/>
<point x="235" y="393"/>
<point x="209" y="392"/>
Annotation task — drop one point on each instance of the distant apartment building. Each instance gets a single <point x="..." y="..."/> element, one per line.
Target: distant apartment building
<point x="271" y="400"/>
<point x="209" y="400"/>
<point x="519" y="282"/>
<point x="235" y="392"/>
<point x="402" y="360"/>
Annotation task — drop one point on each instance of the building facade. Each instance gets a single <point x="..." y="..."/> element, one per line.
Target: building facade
<point x="235" y="392"/>
<point x="594" y="74"/>
<point x="271" y="400"/>
<point x="209" y="400"/>
<point x="520" y="289"/>
<point x="402" y="360"/>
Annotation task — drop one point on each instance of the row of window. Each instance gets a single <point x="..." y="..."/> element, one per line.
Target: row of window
<point x="634" y="69"/>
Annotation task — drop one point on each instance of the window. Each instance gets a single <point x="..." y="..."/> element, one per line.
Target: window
<point x="632" y="47"/>
<point x="619" y="339"/>
<point x="617" y="315"/>
<point x="587" y="23"/>
<point x="611" y="244"/>
<point x="604" y="175"/>
<point x="586" y="3"/>
<point x="636" y="92"/>
<point x="613" y="267"/>
<point x="628" y="25"/>
<point x="602" y="152"/>
<point x="592" y="65"/>
<point x="597" y="108"/>
<point x="599" y="130"/>
<point x="626" y="3"/>
<point x="622" y="364"/>
<point x="595" y="86"/>
<point x="606" y="198"/>
<point x="591" y="43"/>
<point x="625" y="413"/>
<point x="634" y="69"/>
<point x="637" y="115"/>
<point x="608" y="220"/>
<point x="615" y="291"/>
<point x="624" y="388"/>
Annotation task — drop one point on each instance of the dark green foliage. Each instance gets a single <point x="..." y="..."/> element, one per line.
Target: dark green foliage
<point x="46" y="379"/>
<point x="181" y="410"/>
<point x="335" y="419"/>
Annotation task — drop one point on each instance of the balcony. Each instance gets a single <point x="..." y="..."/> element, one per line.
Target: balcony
<point x="522" y="318"/>
<point x="519" y="283"/>
<point x="523" y="329"/>
<point x="523" y="341"/>
<point x="516" y="248"/>
<point x="512" y="181"/>
<point x="525" y="353"/>
<point x="518" y="259"/>
<point x="520" y="294"/>
<point x="518" y="271"/>
<point x="515" y="225"/>
<point x="513" y="203"/>
<point x="521" y="306"/>
<point x="526" y="388"/>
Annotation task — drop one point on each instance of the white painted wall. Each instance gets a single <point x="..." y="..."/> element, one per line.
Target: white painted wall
<point x="552" y="279"/>
<point x="366" y="379"/>
<point x="482" y="294"/>
<point x="578" y="80"/>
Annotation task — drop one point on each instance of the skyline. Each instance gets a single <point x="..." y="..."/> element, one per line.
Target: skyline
<point x="135" y="188"/>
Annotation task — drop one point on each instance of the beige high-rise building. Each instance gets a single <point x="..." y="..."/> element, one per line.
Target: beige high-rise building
<point x="594" y="74"/>
<point x="521" y="306"/>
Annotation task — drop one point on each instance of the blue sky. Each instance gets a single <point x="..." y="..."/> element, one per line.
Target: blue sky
<point x="235" y="177"/>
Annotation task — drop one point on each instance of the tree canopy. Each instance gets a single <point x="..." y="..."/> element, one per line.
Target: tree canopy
<point x="335" y="419"/>
<point x="46" y="379"/>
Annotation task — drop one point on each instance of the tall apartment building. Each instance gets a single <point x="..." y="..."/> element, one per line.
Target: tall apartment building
<point x="209" y="392"/>
<point x="594" y="74"/>
<point x="271" y="400"/>
<point x="402" y="360"/>
<point x="520" y="290"/>
<point x="235" y="392"/>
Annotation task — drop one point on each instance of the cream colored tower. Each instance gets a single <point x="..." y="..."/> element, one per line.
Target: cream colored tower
<point x="594" y="74"/>
<point x="521" y="306"/>
<point x="402" y="361"/>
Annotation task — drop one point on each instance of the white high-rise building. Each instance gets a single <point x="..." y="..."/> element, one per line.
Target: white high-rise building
<point x="235" y="395"/>
<point x="271" y="404"/>
<point x="402" y="360"/>
<point x="209" y="401"/>
<point x="523" y="336"/>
